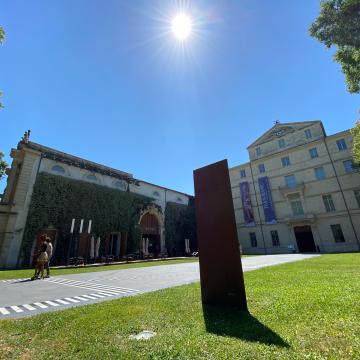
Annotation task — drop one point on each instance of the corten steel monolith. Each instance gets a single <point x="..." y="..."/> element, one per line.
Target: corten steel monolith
<point x="221" y="275"/>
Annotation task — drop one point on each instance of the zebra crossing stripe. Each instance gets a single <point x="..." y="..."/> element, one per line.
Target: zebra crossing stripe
<point x="29" y="307"/>
<point x="89" y="297"/>
<point x="52" y="303"/>
<point x="17" y="309"/>
<point x="4" y="311"/>
<point x="99" y="287"/>
<point x="62" y="301"/>
<point x="98" y="295"/>
<point x="112" y="293"/>
<point x="72" y="300"/>
<point x="112" y="288"/>
<point x="41" y="305"/>
<point x="104" y="293"/>
<point x="81" y="298"/>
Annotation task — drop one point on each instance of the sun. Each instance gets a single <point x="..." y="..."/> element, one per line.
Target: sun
<point x="181" y="26"/>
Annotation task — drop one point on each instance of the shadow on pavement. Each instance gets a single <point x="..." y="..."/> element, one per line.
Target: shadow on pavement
<point x="240" y="324"/>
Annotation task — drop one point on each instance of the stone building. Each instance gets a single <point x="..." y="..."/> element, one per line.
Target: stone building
<point x="31" y="161"/>
<point x="299" y="192"/>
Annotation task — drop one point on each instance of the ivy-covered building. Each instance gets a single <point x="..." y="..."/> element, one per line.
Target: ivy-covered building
<point x="89" y="210"/>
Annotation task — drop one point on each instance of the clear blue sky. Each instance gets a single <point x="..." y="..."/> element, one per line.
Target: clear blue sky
<point x="107" y="81"/>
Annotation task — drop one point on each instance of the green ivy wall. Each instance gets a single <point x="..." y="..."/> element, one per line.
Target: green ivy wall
<point x="57" y="200"/>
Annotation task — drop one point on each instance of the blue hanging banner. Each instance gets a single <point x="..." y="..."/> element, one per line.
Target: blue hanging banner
<point x="267" y="202"/>
<point x="246" y="202"/>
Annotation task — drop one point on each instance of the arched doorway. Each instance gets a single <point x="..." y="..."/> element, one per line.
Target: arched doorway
<point x="150" y="229"/>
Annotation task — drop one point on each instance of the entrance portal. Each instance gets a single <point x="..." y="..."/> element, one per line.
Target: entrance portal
<point x="304" y="238"/>
<point x="150" y="230"/>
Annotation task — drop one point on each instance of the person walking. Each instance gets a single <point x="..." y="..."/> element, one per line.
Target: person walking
<point x="41" y="260"/>
<point x="49" y="251"/>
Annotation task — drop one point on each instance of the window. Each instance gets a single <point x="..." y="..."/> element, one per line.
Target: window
<point x="242" y="173"/>
<point x="285" y="161"/>
<point x="281" y="143"/>
<point x="92" y="178"/>
<point x="253" y="241"/>
<point x="308" y="134"/>
<point x="58" y="169"/>
<point x="329" y="203"/>
<point x="261" y="168"/>
<point x="296" y="204"/>
<point x="319" y="173"/>
<point x="337" y="233"/>
<point x="179" y="199"/>
<point x="258" y="151"/>
<point x="313" y="153"/>
<point x="357" y="197"/>
<point x="156" y="193"/>
<point x="341" y="144"/>
<point x="290" y="181"/>
<point x="275" y="238"/>
<point x="348" y="166"/>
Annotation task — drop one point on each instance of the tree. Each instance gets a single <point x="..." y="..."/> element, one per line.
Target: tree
<point x="3" y="165"/>
<point x="339" y="25"/>
<point x="2" y="34"/>
<point x="356" y="143"/>
<point x="2" y="38"/>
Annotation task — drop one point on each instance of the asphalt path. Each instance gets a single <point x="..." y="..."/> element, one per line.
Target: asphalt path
<point x="21" y="297"/>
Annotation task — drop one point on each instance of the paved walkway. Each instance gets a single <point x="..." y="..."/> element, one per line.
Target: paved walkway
<point x="21" y="297"/>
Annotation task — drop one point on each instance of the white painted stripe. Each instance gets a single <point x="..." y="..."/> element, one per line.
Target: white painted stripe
<point x="81" y="298"/>
<point x="110" y="288"/>
<point x="29" y="307"/>
<point x="41" y="305"/>
<point x="89" y="297"/>
<point x="72" y="300"/>
<point x="99" y="287"/>
<point x="17" y="309"/>
<point x="4" y="311"/>
<point x="62" y="302"/>
<point x="52" y="303"/>
<point x="57" y="281"/>
<point x="83" y="283"/>
<point x="97" y="295"/>
<point x="106" y="294"/>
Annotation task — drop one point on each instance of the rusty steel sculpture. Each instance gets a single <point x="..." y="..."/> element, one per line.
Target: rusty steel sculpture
<point x="221" y="274"/>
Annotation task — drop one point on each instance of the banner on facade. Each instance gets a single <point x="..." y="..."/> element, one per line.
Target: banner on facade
<point x="267" y="202"/>
<point x="246" y="203"/>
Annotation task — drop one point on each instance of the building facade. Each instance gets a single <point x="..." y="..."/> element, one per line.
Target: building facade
<point x="298" y="193"/>
<point x="32" y="160"/>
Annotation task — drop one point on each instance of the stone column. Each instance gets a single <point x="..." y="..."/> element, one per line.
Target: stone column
<point x="317" y="237"/>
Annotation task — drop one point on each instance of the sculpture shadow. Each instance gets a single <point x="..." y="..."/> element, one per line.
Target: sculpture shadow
<point x="227" y="321"/>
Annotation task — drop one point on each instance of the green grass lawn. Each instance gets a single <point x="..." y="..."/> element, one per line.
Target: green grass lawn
<point x="28" y="273"/>
<point x="304" y="310"/>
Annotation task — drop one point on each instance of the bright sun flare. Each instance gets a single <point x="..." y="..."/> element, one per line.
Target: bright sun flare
<point x="181" y="26"/>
